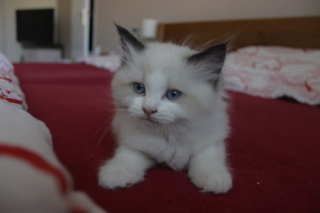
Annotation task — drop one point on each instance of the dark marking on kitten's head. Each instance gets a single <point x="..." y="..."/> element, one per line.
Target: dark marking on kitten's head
<point x="211" y="61"/>
<point x="214" y="54"/>
<point x="128" y="41"/>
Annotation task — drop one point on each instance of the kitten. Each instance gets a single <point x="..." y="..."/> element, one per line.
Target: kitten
<point x="170" y="108"/>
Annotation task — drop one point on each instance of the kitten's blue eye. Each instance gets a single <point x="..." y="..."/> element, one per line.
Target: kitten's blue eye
<point x="138" y="88"/>
<point x="173" y="94"/>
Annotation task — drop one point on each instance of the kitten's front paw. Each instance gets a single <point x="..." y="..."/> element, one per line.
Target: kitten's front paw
<point x="217" y="181"/>
<point x="117" y="174"/>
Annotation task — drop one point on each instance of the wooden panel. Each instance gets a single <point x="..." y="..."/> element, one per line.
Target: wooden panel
<point x="301" y="32"/>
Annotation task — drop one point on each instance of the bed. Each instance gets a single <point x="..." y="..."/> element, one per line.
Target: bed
<point x="273" y="146"/>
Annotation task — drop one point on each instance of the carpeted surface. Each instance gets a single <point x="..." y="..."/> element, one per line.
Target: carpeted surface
<point x="273" y="149"/>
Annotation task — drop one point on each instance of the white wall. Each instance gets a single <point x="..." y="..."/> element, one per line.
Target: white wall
<point x="1" y="26"/>
<point x="71" y="32"/>
<point x="11" y="48"/>
<point x="64" y="26"/>
<point x="129" y="13"/>
<point x="78" y="38"/>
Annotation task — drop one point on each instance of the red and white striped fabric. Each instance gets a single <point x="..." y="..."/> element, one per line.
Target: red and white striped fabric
<point x="9" y="84"/>
<point x="32" y="179"/>
<point x="274" y="72"/>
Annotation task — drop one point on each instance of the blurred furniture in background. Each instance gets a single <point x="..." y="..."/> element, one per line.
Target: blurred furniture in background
<point x="42" y="54"/>
<point x="299" y="32"/>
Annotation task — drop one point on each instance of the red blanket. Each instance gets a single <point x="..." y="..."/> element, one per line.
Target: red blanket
<point x="273" y="148"/>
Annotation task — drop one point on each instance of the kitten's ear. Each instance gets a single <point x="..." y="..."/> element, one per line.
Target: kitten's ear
<point x="130" y="44"/>
<point x="209" y="62"/>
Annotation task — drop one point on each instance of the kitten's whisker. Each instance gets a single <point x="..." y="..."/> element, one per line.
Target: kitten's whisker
<point x="111" y="127"/>
<point x="105" y="132"/>
<point x="99" y="128"/>
<point x="123" y="118"/>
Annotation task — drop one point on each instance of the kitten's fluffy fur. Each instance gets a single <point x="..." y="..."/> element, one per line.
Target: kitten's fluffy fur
<point x="188" y="132"/>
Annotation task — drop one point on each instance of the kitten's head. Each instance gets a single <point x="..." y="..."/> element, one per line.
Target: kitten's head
<point x="162" y="83"/>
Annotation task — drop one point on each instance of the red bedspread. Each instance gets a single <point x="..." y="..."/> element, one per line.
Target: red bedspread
<point x="274" y="147"/>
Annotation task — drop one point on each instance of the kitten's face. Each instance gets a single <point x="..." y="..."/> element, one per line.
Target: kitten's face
<point x="158" y="85"/>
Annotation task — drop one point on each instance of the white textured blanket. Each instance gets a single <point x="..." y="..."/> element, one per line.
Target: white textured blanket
<point x="274" y="72"/>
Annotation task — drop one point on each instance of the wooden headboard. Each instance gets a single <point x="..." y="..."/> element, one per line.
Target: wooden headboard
<point x="302" y="32"/>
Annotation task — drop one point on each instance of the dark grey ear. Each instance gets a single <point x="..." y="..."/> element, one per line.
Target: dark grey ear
<point x="209" y="62"/>
<point x="129" y="43"/>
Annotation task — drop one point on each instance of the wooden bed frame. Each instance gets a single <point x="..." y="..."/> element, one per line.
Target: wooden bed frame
<point x="301" y="32"/>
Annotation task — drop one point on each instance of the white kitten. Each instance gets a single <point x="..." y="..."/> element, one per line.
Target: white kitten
<point x="170" y="108"/>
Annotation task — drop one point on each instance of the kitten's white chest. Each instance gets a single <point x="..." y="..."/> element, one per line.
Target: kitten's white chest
<point x="177" y="153"/>
<point x="168" y="147"/>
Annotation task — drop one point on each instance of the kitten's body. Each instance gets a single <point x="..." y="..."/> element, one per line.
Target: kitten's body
<point x="187" y="132"/>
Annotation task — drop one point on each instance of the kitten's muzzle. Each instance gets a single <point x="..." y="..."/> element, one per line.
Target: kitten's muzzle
<point x="149" y="111"/>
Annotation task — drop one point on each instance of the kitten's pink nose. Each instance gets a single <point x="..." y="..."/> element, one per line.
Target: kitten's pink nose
<point x="149" y="111"/>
